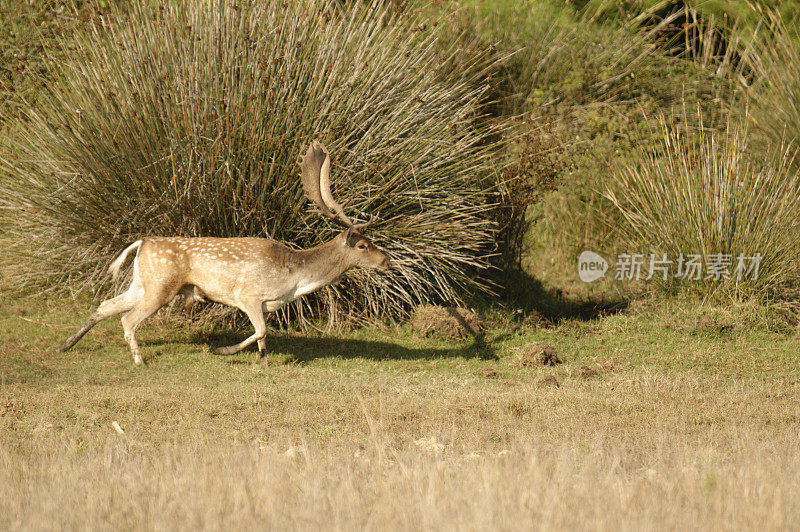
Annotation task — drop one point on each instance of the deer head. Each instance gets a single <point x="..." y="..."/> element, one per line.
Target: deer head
<point x="316" y="176"/>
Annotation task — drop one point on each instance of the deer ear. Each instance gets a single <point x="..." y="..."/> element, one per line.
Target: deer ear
<point x="348" y="236"/>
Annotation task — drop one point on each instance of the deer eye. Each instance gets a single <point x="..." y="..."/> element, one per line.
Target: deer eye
<point x="361" y="246"/>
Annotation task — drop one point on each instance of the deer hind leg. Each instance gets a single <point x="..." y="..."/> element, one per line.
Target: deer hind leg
<point x="256" y="314"/>
<point x="107" y="308"/>
<point x="191" y="294"/>
<point x="144" y="308"/>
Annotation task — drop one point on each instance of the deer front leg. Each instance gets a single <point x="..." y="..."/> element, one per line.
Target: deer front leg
<point x="256" y="315"/>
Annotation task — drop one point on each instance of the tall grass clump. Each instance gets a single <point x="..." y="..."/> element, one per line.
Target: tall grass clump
<point x="775" y="95"/>
<point x="591" y="79"/>
<point x="707" y="193"/>
<point x="189" y="119"/>
<point x="568" y="79"/>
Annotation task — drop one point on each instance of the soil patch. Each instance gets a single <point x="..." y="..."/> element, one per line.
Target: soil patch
<point x="451" y="323"/>
<point x="548" y="382"/>
<point x="537" y="355"/>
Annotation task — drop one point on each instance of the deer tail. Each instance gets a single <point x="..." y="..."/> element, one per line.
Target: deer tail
<point x="117" y="264"/>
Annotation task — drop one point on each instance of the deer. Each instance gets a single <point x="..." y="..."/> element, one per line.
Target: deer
<point x="254" y="275"/>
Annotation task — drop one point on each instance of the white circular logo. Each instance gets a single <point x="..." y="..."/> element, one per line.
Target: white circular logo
<point x="591" y="266"/>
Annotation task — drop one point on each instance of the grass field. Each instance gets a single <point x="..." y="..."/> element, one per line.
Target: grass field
<point x="665" y="416"/>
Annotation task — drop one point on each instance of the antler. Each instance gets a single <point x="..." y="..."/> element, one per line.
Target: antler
<point x="316" y="175"/>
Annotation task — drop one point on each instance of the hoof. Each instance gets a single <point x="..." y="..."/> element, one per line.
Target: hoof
<point x="223" y="351"/>
<point x="66" y="345"/>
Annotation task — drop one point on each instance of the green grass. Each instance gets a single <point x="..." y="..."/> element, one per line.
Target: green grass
<point x="675" y="382"/>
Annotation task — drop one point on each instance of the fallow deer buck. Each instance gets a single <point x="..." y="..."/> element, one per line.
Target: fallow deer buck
<point x="254" y="275"/>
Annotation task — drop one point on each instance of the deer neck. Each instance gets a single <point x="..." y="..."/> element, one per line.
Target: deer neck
<point x="322" y="265"/>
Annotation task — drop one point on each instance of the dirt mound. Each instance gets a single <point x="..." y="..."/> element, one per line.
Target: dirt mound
<point x="548" y="382"/>
<point x="712" y="326"/>
<point x="537" y="355"/>
<point x="488" y="373"/>
<point x="587" y="372"/>
<point x="446" y="322"/>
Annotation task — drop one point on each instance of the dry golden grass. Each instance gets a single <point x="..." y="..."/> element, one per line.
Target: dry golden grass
<point x="683" y="426"/>
<point x="660" y="483"/>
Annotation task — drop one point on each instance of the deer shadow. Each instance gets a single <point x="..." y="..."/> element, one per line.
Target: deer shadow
<point x="307" y="349"/>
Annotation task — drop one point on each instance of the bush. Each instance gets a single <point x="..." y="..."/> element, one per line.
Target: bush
<point x="571" y="83"/>
<point x="590" y="81"/>
<point x="26" y="31"/>
<point x="775" y="96"/>
<point x="707" y="193"/>
<point x="189" y="120"/>
<point x="563" y="60"/>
